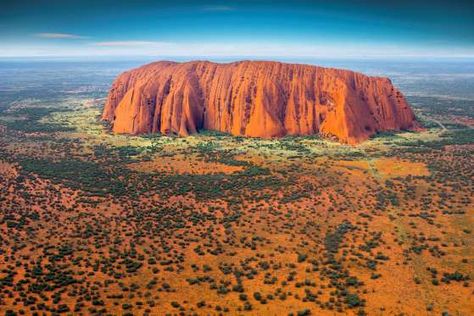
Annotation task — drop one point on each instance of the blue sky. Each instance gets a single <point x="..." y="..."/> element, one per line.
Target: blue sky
<point x="237" y="28"/>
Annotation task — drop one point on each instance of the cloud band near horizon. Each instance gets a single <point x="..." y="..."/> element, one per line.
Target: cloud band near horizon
<point x="341" y="28"/>
<point x="217" y="49"/>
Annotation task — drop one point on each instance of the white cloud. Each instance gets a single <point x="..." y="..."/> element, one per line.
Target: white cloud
<point x="269" y="50"/>
<point x="259" y="50"/>
<point x="59" y="35"/>
<point x="131" y="44"/>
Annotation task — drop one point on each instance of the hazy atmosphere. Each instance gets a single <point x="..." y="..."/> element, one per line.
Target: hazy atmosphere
<point x="344" y="29"/>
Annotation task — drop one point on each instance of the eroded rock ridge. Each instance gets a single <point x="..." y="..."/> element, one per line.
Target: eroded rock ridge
<point x="256" y="99"/>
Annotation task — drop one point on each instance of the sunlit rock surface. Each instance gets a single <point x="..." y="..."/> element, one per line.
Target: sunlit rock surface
<point x="255" y="99"/>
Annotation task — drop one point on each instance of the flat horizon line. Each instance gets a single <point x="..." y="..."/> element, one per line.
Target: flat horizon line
<point x="230" y="58"/>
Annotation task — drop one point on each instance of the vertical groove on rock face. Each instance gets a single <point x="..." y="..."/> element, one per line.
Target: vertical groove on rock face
<point x="260" y="99"/>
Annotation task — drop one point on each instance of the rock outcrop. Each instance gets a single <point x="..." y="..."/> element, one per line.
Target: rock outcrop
<point x="256" y="99"/>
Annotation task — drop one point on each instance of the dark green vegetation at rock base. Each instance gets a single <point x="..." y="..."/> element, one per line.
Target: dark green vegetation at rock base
<point x="118" y="181"/>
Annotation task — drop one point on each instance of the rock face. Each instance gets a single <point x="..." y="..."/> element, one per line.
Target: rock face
<point x="256" y="99"/>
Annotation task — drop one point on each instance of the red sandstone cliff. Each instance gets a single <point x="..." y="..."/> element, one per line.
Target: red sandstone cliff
<point x="253" y="98"/>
